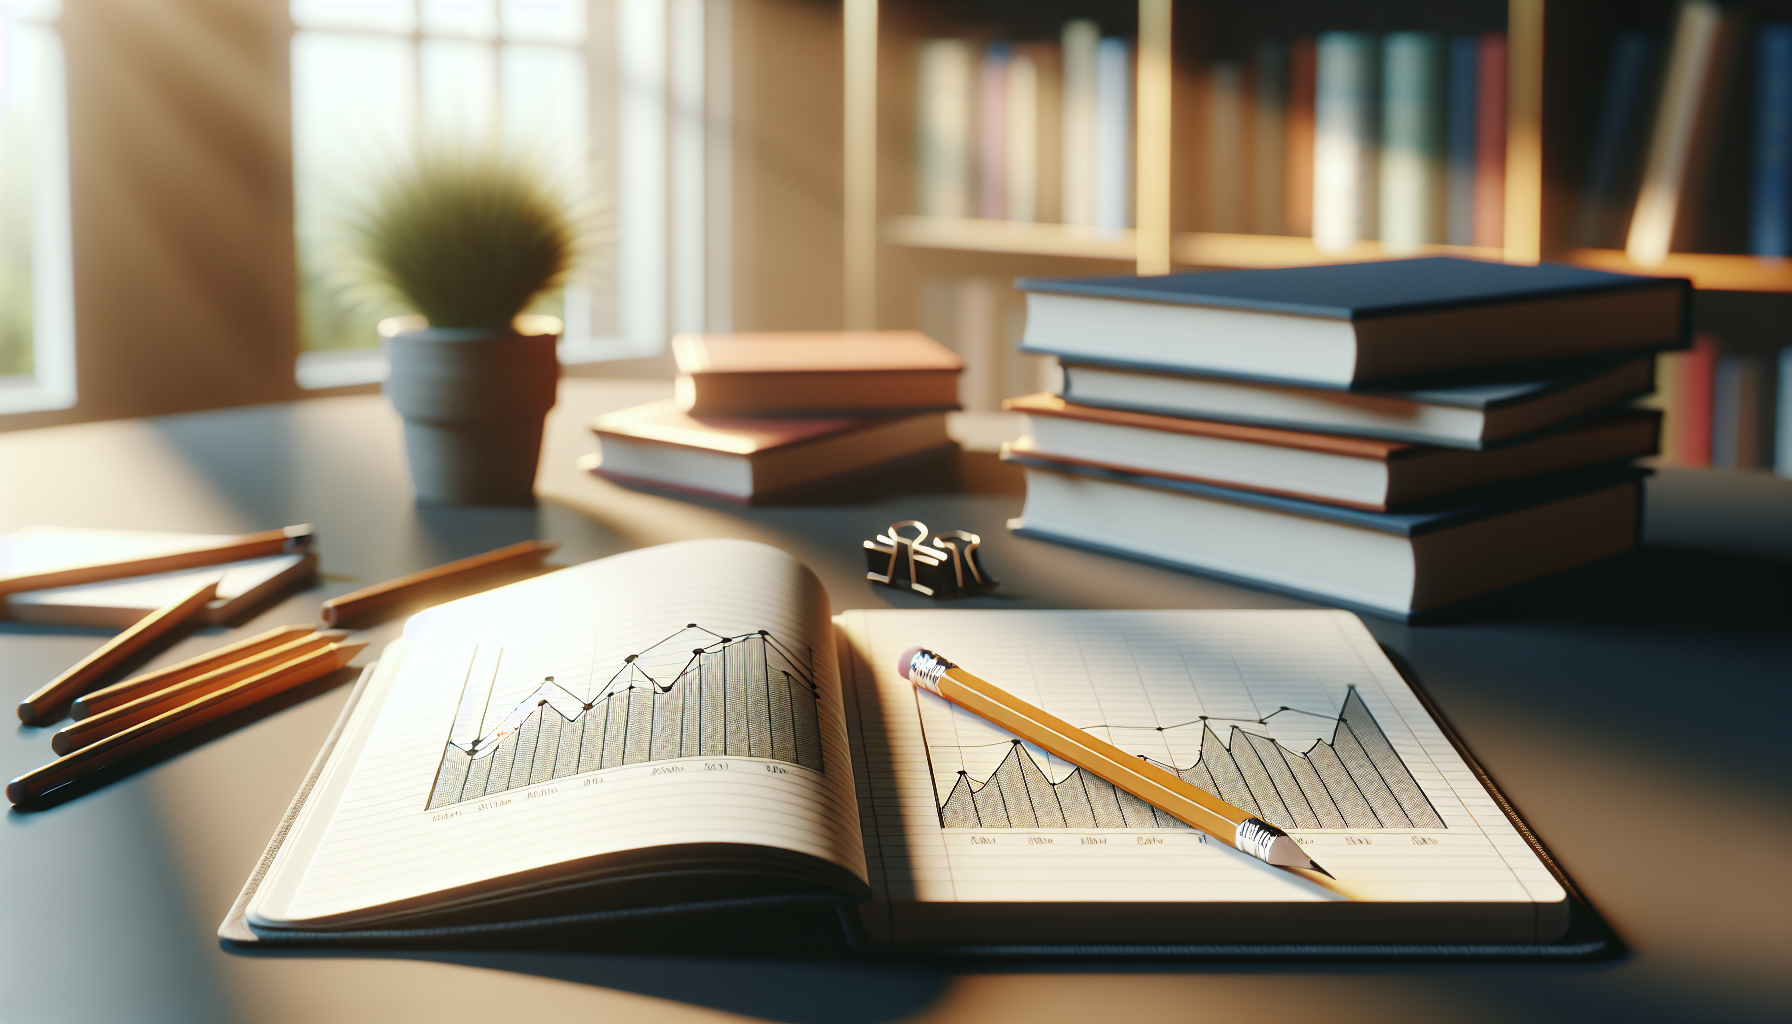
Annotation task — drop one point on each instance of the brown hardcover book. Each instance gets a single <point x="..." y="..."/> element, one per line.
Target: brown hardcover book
<point x="1355" y="472"/>
<point x="753" y="460"/>
<point x="815" y="373"/>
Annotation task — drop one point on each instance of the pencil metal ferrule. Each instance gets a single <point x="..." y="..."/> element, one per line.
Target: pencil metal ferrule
<point x="1255" y="836"/>
<point x="925" y="670"/>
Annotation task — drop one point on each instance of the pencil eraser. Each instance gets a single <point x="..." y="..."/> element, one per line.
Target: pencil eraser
<point x="908" y="658"/>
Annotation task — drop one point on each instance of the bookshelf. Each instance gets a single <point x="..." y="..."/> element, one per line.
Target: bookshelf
<point x="1548" y="48"/>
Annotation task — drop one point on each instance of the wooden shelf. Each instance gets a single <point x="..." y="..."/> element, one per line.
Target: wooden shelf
<point x="1711" y="271"/>
<point x="1187" y="248"/>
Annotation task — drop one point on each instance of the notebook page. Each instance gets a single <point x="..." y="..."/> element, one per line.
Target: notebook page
<point x="1295" y="715"/>
<point x="679" y="694"/>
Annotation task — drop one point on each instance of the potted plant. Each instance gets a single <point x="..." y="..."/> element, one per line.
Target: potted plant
<point x="468" y="237"/>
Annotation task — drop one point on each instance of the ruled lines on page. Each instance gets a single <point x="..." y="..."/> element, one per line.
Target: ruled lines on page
<point x="1294" y="715"/>
<point x="679" y="694"/>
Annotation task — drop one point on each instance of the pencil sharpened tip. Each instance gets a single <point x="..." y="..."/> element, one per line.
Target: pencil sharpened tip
<point x="1313" y="865"/>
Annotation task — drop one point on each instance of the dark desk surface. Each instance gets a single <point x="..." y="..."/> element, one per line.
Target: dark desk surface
<point x="1612" y="707"/>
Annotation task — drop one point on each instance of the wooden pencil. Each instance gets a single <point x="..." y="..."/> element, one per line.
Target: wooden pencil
<point x="452" y="579"/>
<point x="181" y="720"/>
<point x="287" y="540"/>
<point x="148" y="705"/>
<point x="130" y="689"/>
<point x="91" y="672"/>
<point x="1234" y="826"/>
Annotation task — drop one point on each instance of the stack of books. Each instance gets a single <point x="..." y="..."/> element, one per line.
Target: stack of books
<point x="1396" y="437"/>
<point x="765" y="417"/>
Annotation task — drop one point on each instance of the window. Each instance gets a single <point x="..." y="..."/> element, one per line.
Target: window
<point x="37" y="319"/>
<point x="608" y="94"/>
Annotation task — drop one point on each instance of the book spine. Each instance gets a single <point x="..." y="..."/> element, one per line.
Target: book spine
<point x="1782" y="423"/>
<point x="1224" y="137"/>
<point x="1628" y="76"/>
<point x="1020" y="157"/>
<point x="1269" y="134"/>
<point x="1770" y="207"/>
<point x="1113" y="134"/>
<point x="946" y="133"/>
<point x="992" y="133"/>
<point x="1411" y="140"/>
<point x="1344" y="140"/>
<point x="1490" y="143"/>
<point x="1048" y="193"/>
<point x="1303" y="67"/>
<point x="1077" y="106"/>
<point x="1670" y="143"/>
<point x="1690" y="443"/>
<point x="1464" y="73"/>
<point x="1735" y="412"/>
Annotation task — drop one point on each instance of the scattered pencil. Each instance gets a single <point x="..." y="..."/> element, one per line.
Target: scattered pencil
<point x="148" y="705"/>
<point x="453" y="579"/>
<point x="286" y="540"/>
<point x="181" y="720"/>
<point x="130" y="689"/>
<point x="49" y="702"/>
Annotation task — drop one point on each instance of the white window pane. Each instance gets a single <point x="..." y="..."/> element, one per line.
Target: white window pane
<point x="36" y="274"/>
<point x="353" y="97"/>
<point x="470" y="19"/>
<point x="545" y="21"/>
<point x="545" y="110"/>
<point x="364" y="15"/>
<point x="459" y="90"/>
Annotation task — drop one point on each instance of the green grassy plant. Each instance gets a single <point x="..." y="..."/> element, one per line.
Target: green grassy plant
<point x="467" y="236"/>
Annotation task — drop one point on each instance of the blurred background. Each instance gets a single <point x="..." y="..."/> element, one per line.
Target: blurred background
<point x="173" y="173"/>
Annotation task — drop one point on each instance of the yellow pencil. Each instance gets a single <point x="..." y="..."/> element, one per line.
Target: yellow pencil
<point x="1237" y="828"/>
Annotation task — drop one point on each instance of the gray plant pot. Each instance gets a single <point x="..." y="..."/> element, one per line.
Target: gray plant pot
<point x="473" y="405"/>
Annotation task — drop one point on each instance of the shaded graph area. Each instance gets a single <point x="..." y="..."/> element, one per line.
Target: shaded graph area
<point x="743" y="695"/>
<point x="1355" y="781"/>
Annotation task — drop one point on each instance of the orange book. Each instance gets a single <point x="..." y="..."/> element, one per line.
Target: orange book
<point x="815" y="373"/>
<point x="1354" y="472"/>
<point x="757" y="459"/>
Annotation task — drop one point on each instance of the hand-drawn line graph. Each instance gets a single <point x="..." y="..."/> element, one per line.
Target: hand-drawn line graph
<point x="1356" y="780"/>
<point x="694" y="694"/>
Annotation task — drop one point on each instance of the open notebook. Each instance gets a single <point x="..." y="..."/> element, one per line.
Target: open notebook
<point x="683" y="728"/>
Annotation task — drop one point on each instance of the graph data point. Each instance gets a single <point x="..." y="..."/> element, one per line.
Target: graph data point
<point x="630" y="658"/>
<point x="690" y="625"/>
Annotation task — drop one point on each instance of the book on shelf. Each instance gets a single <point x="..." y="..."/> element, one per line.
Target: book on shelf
<point x="1078" y="135"/>
<point x="1113" y="134"/>
<point x="1355" y="325"/>
<point x="1477" y="416"/>
<point x="1464" y="71"/>
<point x="1770" y="204"/>
<point x="814" y="373"/>
<point x="1357" y="472"/>
<point x="754" y="460"/>
<point x="1344" y="140"/>
<point x="1269" y="137"/>
<point x="946" y="126"/>
<point x="685" y="737"/>
<point x="1782" y="417"/>
<point x="1735" y="412"/>
<point x="1303" y="69"/>
<point x="1405" y="566"/>
<point x="1411" y="203"/>
<point x="1687" y="393"/>
<point x="243" y="586"/>
<point x="1490" y="142"/>
<point x="1608" y="194"/>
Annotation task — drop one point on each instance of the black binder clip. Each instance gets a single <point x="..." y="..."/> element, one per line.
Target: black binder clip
<point x="944" y="568"/>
